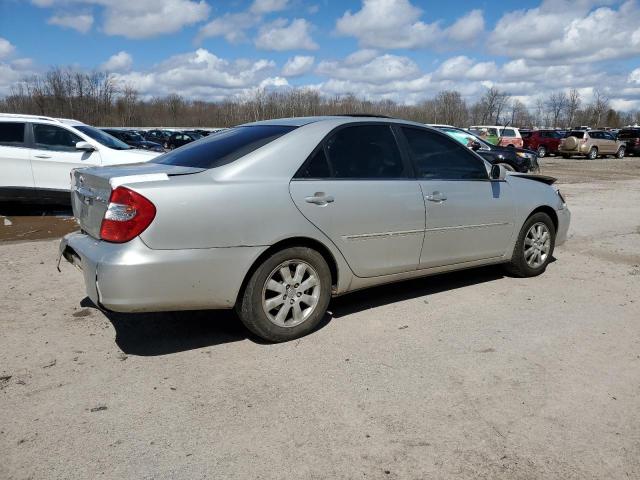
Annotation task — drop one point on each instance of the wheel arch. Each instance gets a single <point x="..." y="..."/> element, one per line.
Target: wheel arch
<point x="549" y="211"/>
<point x="294" y="242"/>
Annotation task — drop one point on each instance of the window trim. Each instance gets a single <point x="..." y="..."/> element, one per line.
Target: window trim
<point x="407" y="165"/>
<point x="482" y="161"/>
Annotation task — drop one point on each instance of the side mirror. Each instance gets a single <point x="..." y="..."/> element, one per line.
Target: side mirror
<point x="498" y="173"/>
<point x="475" y="146"/>
<point x="86" y="146"/>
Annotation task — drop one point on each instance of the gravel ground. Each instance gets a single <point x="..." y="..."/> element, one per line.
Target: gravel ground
<point x="471" y="375"/>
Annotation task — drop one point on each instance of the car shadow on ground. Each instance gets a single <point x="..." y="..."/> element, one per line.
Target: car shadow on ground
<point x="153" y="334"/>
<point x="20" y="222"/>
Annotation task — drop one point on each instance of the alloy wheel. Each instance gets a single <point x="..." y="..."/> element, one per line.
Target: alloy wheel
<point x="291" y="293"/>
<point x="537" y="244"/>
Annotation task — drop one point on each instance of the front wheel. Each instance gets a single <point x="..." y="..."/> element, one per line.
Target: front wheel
<point x="534" y="247"/>
<point x="287" y="295"/>
<point x="620" y="153"/>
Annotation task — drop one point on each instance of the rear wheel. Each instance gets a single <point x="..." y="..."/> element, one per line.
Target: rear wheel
<point x="542" y="152"/>
<point x="620" y="153"/>
<point x="565" y="156"/>
<point x="287" y="295"/>
<point x="593" y="153"/>
<point x="534" y="247"/>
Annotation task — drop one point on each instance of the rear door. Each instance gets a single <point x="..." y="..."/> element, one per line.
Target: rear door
<point x="610" y="142"/>
<point x="359" y="191"/>
<point x="15" y="161"/>
<point x="54" y="154"/>
<point x="469" y="217"/>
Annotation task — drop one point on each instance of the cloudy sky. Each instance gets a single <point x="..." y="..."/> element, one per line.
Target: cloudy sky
<point x="405" y="50"/>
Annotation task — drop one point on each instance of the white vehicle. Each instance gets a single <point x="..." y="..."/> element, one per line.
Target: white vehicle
<point x="38" y="153"/>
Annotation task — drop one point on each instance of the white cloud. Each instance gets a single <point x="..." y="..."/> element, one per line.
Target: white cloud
<point x="298" y="65"/>
<point x="396" y="24"/>
<point x="81" y="23"/>
<point x="568" y="32"/>
<point x="136" y="18"/>
<point x="6" y="48"/>
<point x="231" y="26"/>
<point x="360" y="67"/>
<point x="120" y="62"/>
<point x="203" y="75"/>
<point x="467" y="28"/>
<point x="634" y="76"/>
<point x="281" y="35"/>
<point x="261" y="7"/>
<point x="463" y="67"/>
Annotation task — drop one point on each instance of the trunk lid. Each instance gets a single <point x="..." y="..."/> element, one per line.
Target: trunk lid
<point x="91" y="188"/>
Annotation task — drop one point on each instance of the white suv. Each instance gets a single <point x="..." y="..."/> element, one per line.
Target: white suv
<point x="37" y="155"/>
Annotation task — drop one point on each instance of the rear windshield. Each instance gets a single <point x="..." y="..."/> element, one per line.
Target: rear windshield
<point x="631" y="133"/>
<point x="223" y="147"/>
<point x="577" y="134"/>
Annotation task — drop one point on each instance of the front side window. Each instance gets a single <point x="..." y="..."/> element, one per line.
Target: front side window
<point x="224" y="147"/>
<point x="51" y="137"/>
<point x="103" y="137"/>
<point x="12" y="134"/>
<point x="438" y="157"/>
<point x="365" y="151"/>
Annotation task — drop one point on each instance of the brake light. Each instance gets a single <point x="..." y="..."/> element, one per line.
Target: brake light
<point x="127" y="216"/>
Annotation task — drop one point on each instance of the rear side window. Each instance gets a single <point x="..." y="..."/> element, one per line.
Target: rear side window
<point x="12" y="134"/>
<point x="50" y="137"/>
<point x="577" y="134"/>
<point x="438" y="157"/>
<point x="508" y="132"/>
<point x="224" y="147"/>
<point x="365" y="151"/>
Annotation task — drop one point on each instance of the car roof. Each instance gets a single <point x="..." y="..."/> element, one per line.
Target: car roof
<point x="340" y="119"/>
<point x="8" y="117"/>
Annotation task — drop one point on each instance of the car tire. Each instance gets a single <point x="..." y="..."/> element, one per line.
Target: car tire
<point x="620" y="153"/>
<point x="542" y="152"/>
<point x="295" y="311"/>
<point x="593" y="153"/>
<point x="566" y="157"/>
<point x="531" y="246"/>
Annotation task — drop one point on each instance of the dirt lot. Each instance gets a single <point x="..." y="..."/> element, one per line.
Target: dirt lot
<point x="469" y="375"/>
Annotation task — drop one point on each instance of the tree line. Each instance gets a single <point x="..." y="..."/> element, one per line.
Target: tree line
<point x="95" y="98"/>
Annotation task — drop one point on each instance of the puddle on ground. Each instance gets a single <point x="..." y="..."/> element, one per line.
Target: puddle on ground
<point x="22" y="223"/>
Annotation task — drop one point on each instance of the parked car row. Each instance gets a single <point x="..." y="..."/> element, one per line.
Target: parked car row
<point x="157" y="140"/>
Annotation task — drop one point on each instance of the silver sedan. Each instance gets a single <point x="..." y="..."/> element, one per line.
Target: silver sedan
<point x="273" y="218"/>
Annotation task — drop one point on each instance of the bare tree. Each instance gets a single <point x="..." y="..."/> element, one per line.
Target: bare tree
<point x="450" y="108"/>
<point x="573" y="104"/>
<point x="556" y="103"/>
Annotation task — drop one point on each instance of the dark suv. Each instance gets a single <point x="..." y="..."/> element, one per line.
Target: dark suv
<point x="543" y="142"/>
<point x="630" y="136"/>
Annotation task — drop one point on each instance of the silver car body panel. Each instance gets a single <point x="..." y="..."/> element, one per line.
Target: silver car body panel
<point x="211" y="226"/>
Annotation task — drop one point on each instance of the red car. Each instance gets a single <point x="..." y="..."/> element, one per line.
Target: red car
<point x="543" y="142"/>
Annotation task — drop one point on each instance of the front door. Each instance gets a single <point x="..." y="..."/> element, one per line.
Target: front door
<point x="55" y="154"/>
<point x="468" y="217"/>
<point x="358" y="191"/>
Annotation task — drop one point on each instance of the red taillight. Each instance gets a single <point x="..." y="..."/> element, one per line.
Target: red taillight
<point x="127" y="216"/>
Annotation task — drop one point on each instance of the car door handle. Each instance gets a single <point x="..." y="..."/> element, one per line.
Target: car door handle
<point x="42" y="156"/>
<point x="436" y="197"/>
<point x="320" y="198"/>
